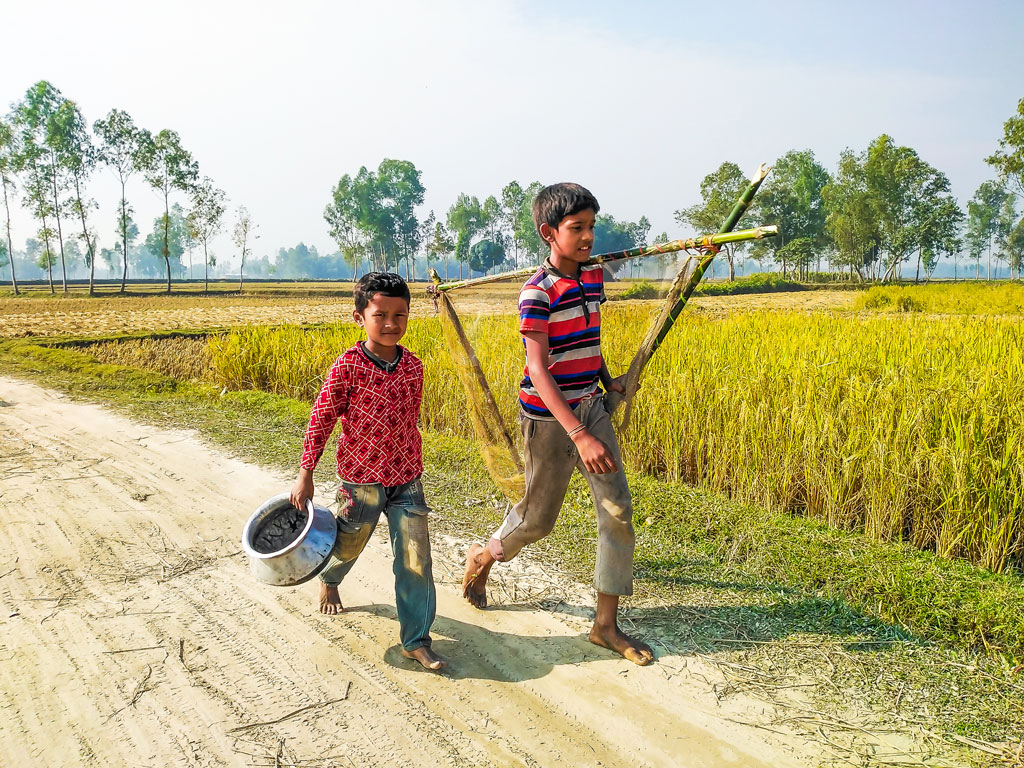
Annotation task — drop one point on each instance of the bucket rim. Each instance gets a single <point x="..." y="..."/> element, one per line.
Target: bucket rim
<point x="272" y="503"/>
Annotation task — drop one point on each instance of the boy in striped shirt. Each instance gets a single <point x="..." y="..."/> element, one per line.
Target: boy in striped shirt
<point x="563" y="416"/>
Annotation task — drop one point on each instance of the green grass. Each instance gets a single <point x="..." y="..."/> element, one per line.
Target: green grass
<point x="948" y="601"/>
<point x="779" y="595"/>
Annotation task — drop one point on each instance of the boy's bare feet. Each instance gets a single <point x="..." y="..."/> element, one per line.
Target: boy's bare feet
<point x="426" y="657"/>
<point x="614" y="639"/>
<point x="474" y="583"/>
<point x="330" y="600"/>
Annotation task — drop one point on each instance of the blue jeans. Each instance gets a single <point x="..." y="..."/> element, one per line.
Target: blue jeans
<point x="359" y="510"/>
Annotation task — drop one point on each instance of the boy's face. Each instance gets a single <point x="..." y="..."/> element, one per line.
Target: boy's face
<point x="573" y="238"/>
<point x="385" y="319"/>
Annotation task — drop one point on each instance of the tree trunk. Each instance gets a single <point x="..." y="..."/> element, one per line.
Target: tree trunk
<point x="917" y="276"/>
<point x="241" y="265"/>
<point x="124" y="236"/>
<point x="10" y="244"/>
<point x="167" y="248"/>
<point x="206" y="261"/>
<point x="85" y="232"/>
<point x="56" y="212"/>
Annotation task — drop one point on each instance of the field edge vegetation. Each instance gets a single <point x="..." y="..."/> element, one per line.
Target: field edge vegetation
<point x="924" y="595"/>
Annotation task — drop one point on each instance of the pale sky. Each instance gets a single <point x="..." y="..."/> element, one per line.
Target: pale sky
<point x="636" y="101"/>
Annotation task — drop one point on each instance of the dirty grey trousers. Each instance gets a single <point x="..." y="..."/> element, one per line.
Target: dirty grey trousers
<point x="550" y="457"/>
<point x="360" y="506"/>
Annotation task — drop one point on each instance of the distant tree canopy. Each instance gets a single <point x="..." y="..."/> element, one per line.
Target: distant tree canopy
<point x="372" y="215"/>
<point x="880" y="208"/>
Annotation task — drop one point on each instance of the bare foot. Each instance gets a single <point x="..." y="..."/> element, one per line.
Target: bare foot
<point x="330" y="600"/>
<point x="614" y="639"/>
<point x="474" y="583"/>
<point x="426" y="657"/>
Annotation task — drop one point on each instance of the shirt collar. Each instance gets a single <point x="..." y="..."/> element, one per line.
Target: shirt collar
<point x="550" y="268"/>
<point x="384" y="365"/>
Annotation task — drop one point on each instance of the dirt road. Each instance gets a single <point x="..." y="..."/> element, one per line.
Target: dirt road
<point x="132" y="634"/>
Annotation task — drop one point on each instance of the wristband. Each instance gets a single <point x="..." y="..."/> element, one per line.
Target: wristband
<point x="576" y="430"/>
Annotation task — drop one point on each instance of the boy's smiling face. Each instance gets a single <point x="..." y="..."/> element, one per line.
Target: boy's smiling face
<point x="571" y="241"/>
<point x="385" y="320"/>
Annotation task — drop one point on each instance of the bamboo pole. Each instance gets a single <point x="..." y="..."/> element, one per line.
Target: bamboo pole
<point x="680" y="292"/>
<point x="703" y="242"/>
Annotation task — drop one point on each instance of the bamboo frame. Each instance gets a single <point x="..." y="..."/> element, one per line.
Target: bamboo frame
<point x="681" y="290"/>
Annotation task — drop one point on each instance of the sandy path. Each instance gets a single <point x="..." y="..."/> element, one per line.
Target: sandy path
<point x="132" y="634"/>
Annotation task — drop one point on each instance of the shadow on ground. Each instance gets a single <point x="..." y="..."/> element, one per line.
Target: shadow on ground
<point x="477" y="652"/>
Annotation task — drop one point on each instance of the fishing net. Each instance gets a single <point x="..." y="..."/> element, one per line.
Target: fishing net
<point x="496" y="446"/>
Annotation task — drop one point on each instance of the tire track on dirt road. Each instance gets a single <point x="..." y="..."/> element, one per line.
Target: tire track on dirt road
<point x="133" y="634"/>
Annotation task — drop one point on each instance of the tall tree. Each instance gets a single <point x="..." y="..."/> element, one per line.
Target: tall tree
<point x="41" y="138"/>
<point x="719" y="191"/>
<point x="1013" y="247"/>
<point x="525" y="235"/>
<point x="791" y="198"/>
<point x="440" y="245"/>
<point x="30" y="118"/>
<point x="122" y="149"/>
<point x="983" y="221"/>
<point x="373" y="214"/>
<point x="465" y="220"/>
<point x="205" y="218"/>
<point x="166" y="242"/>
<point x="426" y="236"/>
<point x="399" y="191"/>
<point x="77" y="155"/>
<point x="8" y="164"/>
<point x="344" y="216"/>
<point x="244" y="234"/>
<point x="905" y="193"/>
<point x="1005" y="224"/>
<point x="1009" y="158"/>
<point x="513" y="201"/>
<point x="850" y="219"/>
<point x="168" y="166"/>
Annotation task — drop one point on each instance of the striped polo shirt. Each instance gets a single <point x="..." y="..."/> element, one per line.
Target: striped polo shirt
<point x="568" y="310"/>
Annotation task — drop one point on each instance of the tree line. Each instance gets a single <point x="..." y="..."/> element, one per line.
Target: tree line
<point x="48" y="151"/>
<point x="881" y="210"/>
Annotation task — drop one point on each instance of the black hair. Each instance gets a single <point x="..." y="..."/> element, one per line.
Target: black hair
<point x="373" y="283"/>
<point x="557" y="201"/>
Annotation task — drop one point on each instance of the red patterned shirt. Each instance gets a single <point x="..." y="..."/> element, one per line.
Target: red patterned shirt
<point x="380" y="442"/>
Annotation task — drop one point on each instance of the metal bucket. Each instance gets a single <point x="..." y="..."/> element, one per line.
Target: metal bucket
<point x="285" y="547"/>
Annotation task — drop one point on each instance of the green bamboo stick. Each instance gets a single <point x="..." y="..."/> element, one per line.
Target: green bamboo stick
<point x="703" y="242"/>
<point x="680" y="292"/>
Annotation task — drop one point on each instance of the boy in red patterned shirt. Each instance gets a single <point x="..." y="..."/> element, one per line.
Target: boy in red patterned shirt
<point x="375" y="389"/>
<point x="565" y="423"/>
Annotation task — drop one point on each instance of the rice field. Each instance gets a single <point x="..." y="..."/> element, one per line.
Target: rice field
<point x="963" y="298"/>
<point x="906" y="427"/>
